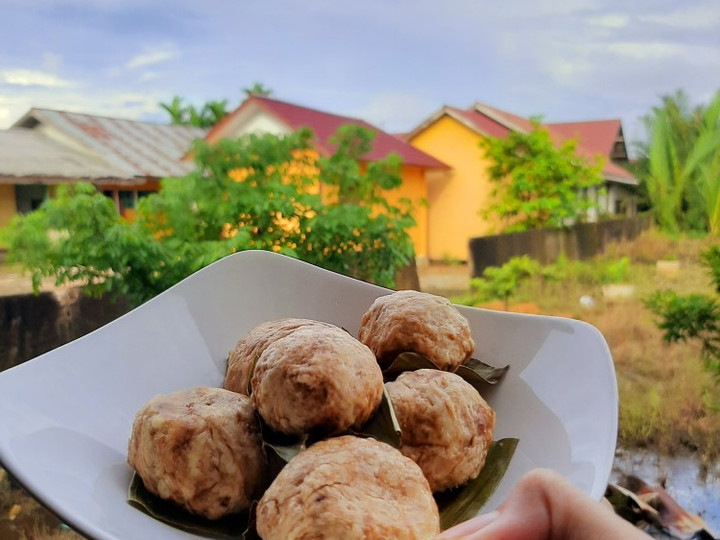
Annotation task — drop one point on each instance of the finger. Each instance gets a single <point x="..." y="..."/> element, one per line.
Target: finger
<point x="544" y="506"/>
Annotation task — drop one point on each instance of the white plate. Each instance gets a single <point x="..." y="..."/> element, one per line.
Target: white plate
<point x="65" y="416"/>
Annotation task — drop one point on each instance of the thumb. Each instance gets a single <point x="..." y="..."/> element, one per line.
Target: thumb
<point x="544" y="506"/>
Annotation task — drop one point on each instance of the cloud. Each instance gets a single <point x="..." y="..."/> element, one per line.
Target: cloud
<point x="611" y="20"/>
<point x="395" y="111"/>
<point x="29" y="77"/>
<point x="120" y="104"/>
<point x="695" y="17"/>
<point x="153" y="56"/>
<point x="663" y="50"/>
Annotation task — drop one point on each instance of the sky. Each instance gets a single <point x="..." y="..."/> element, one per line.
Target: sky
<point x="392" y="62"/>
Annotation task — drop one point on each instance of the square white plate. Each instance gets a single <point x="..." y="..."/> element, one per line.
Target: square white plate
<point x="65" y="416"/>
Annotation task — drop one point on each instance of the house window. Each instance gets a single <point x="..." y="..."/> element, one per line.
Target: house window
<point x="29" y="197"/>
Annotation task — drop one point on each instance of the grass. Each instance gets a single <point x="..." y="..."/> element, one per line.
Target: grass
<point x="23" y="518"/>
<point x="668" y="401"/>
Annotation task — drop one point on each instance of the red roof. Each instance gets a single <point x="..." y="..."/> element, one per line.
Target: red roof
<point x="593" y="137"/>
<point x="324" y="125"/>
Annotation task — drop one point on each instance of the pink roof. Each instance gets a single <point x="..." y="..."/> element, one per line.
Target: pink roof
<point x="324" y="125"/>
<point x="593" y="137"/>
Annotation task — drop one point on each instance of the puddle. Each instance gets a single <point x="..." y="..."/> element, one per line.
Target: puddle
<point x="694" y="487"/>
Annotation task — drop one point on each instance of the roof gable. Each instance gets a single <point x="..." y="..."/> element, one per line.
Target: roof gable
<point x="323" y="125"/>
<point x="596" y="137"/>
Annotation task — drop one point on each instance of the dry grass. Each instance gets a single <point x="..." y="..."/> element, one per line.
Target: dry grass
<point x="668" y="401"/>
<point x="23" y="518"/>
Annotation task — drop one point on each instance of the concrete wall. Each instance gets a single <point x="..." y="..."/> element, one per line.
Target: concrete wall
<point x="32" y="325"/>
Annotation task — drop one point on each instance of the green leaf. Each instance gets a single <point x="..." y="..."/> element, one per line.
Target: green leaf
<point x="235" y="526"/>
<point x="464" y="502"/>
<point x="407" y="361"/>
<point x="478" y="373"/>
<point x="383" y="424"/>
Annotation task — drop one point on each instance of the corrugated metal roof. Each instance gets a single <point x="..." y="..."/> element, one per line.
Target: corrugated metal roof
<point x="139" y="149"/>
<point x="27" y="153"/>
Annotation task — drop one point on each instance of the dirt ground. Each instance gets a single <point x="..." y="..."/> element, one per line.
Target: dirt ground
<point x="442" y="279"/>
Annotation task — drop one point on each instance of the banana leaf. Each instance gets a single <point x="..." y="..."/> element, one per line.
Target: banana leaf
<point x="464" y="502"/>
<point x="473" y="371"/>
<point x="235" y="526"/>
<point x="383" y="425"/>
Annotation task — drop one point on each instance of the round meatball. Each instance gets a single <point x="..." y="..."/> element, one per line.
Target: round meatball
<point x="200" y="448"/>
<point x="348" y="488"/>
<point x="411" y="321"/>
<point x="446" y="425"/>
<point x="318" y="378"/>
<point x="250" y="347"/>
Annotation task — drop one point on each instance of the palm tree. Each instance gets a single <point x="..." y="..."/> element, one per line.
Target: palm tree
<point x="176" y="110"/>
<point x="257" y="89"/>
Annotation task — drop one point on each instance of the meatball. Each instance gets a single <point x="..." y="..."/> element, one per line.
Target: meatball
<point x="348" y="488"/>
<point x="200" y="448"/>
<point x="250" y="347"/>
<point x="411" y="321"/>
<point x="318" y="378"/>
<point x="446" y="425"/>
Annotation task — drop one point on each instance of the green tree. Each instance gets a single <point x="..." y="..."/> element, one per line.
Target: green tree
<point x="537" y="184"/>
<point x="680" y="164"/>
<point x="693" y="316"/>
<point x="256" y="192"/>
<point x="257" y="89"/>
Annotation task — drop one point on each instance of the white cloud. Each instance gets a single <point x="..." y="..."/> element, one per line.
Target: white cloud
<point x="148" y="76"/>
<point x="694" y="17"/>
<point x="29" y="77"/>
<point x="663" y="50"/>
<point x="395" y="111"/>
<point x="611" y="20"/>
<point x="133" y="105"/>
<point x="153" y="56"/>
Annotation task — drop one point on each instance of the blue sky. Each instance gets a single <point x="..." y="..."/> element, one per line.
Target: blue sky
<point x="391" y="62"/>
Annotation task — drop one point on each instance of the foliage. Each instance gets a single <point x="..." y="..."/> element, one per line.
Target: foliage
<point x="502" y="282"/>
<point x="256" y="192"/>
<point x="257" y="89"/>
<point x="209" y="114"/>
<point x="680" y="164"/>
<point x="537" y="184"/>
<point x="693" y="316"/>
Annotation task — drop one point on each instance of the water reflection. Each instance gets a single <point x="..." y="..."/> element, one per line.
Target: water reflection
<point x="694" y="486"/>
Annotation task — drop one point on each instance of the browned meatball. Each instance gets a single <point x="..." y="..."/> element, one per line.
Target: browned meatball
<point x="446" y="425"/>
<point x="250" y="347"/>
<point x="411" y="321"/>
<point x="316" y="378"/>
<point x="348" y="488"/>
<point x="201" y="449"/>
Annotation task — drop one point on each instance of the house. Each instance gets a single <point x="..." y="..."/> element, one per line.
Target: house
<point x="265" y="115"/>
<point x="123" y="158"/>
<point x="456" y="196"/>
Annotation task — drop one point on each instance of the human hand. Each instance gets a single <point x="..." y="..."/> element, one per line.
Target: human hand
<point x="545" y="506"/>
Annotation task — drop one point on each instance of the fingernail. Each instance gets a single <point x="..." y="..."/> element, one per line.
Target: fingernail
<point x="470" y="526"/>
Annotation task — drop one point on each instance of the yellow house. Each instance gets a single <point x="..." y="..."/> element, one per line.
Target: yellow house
<point x="264" y="115"/>
<point x="456" y="196"/>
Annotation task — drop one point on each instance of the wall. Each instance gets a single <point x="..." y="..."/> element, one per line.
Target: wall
<point x="454" y="197"/>
<point x="581" y="241"/>
<point x="32" y="325"/>
<point x="7" y="203"/>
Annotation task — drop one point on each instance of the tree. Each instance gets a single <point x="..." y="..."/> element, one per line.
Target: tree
<point x="188" y="115"/>
<point x="693" y="316"/>
<point x="256" y="192"/>
<point x="536" y="183"/>
<point x="680" y="164"/>
<point x="257" y="89"/>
